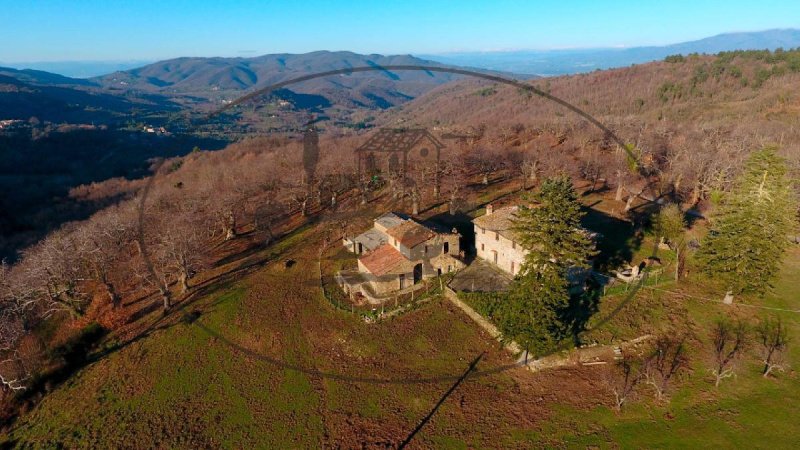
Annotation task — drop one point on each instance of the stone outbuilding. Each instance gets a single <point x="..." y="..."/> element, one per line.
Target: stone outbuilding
<point x="398" y="253"/>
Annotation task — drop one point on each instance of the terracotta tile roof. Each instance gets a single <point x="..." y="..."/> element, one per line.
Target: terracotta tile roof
<point x="501" y="221"/>
<point x="382" y="260"/>
<point x="411" y="233"/>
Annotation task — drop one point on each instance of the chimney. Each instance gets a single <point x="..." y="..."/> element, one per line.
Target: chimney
<point x="489" y="209"/>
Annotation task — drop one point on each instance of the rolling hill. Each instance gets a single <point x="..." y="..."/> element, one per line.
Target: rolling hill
<point x="54" y="98"/>
<point x="42" y="77"/>
<point x="78" y="69"/>
<point x="221" y="79"/>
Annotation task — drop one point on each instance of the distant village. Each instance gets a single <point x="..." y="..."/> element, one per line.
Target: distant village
<point x="14" y="126"/>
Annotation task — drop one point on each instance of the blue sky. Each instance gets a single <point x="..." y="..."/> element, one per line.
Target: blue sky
<point x="39" y="30"/>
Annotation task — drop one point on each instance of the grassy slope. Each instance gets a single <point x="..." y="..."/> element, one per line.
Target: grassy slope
<point x="746" y="411"/>
<point x="182" y="387"/>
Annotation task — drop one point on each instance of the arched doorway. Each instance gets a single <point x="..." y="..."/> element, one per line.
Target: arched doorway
<point x="417" y="273"/>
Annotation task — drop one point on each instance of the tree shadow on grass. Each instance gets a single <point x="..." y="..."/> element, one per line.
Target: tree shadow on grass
<point x="618" y="241"/>
<point x="86" y="348"/>
<point x="582" y="307"/>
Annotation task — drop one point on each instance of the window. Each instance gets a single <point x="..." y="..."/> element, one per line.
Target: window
<point x="513" y="245"/>
<point x="512" y="267"/>
<point x="425" y="250"/>
<point x="446" y="248"/>
<point x="481" y="247"/>
<point x="496" y="236"/>
<point x="483" y="230"/>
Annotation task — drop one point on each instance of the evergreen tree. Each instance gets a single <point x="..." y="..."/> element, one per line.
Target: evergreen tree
<point x="551" y="230"/>
<point x="745" y="245"/>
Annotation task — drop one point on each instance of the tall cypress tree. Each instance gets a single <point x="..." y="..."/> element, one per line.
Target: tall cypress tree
<point x="747" y="240"/>
<point x="552" y="232"/>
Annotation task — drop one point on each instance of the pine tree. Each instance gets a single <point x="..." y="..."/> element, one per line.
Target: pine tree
<point x="551" y="231"/>
<point x="747" y="240"/>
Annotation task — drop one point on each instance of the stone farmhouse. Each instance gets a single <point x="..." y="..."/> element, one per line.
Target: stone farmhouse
<point x="499" y="244"/>
<point x="496" y="241"/>
<point x="397" y="253"/>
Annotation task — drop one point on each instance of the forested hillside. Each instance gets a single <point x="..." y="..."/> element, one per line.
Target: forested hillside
<point x="220" y="79"/>
<point x="207" y="218"/>
<point x="690" y="120"/>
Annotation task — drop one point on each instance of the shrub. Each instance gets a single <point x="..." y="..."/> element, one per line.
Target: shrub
<point x="674" y="59"/>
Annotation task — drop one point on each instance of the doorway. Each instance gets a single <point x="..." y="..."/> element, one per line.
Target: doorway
<point x="417" y="273"/>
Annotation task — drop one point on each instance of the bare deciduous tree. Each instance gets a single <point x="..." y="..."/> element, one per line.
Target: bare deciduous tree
<point x="486" y="161"/>
<point x="773" y="339"/>
<point x="301" y="195"/>
<point x="526" y="162"/>
<point x="266" y="211"/>
<point x="454" y="180"/>
<point x="729" y="340"/>
<point x="15" y="302"/>
<point x="623" y="378"/>
<point x="102" y="246"/>
<point x="667" y="360"/>
<point x="54" y="270"/>
<point x="14" y="372"/>
<point x="180" y="250"/>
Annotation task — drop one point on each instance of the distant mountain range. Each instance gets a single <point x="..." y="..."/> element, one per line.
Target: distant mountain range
<point x="562" y="62"/>
<point x="532" y="62"/>
<point x="212" y="82"/>
<point x="78" y="69"/>
<point x="42" y="77"/>
<point x="215" y="81"/>
<point x="218" y="80"/>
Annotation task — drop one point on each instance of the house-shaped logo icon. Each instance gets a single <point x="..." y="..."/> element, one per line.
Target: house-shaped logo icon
<point x="397" y="150"/>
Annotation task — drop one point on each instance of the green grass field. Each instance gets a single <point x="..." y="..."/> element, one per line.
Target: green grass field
<point x="747" y="411"/>
<point x="183" y="386"/>
<point x="214" y="382"/>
